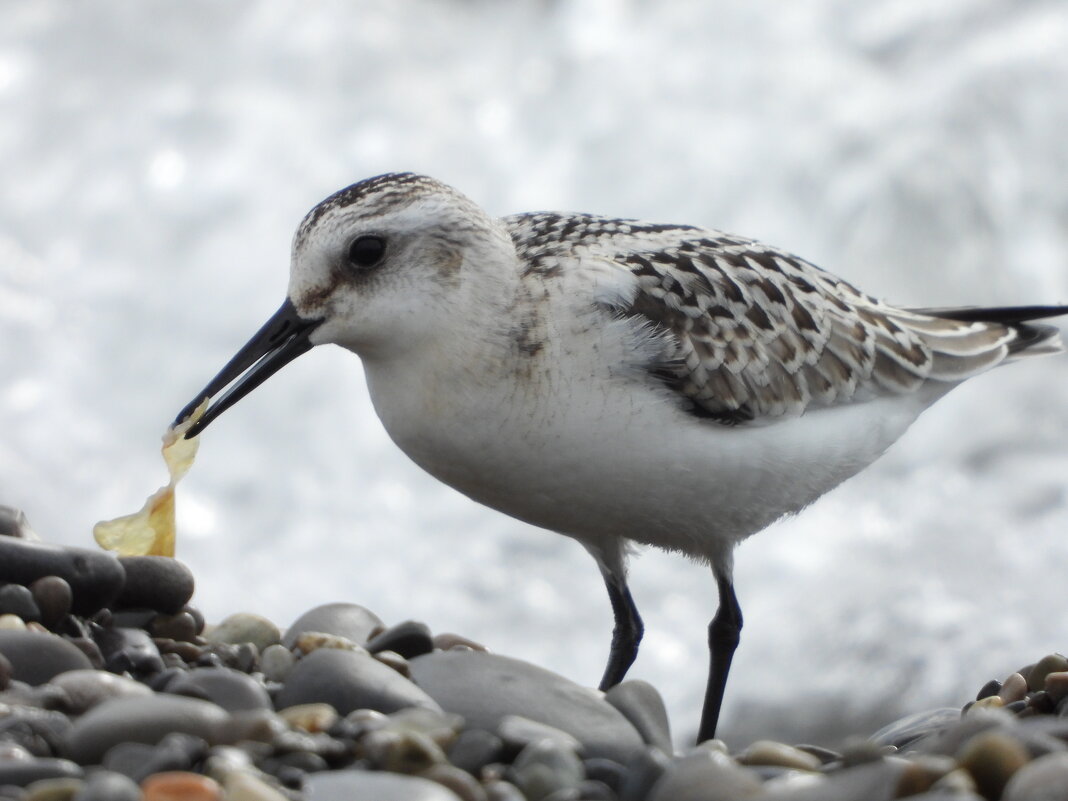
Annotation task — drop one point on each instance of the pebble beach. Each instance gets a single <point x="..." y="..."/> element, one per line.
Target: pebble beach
<point x="113" y="687"/>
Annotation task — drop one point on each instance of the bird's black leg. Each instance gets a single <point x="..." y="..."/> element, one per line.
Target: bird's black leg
<point x="627" y="633"/>
<point x="723" y="634"/>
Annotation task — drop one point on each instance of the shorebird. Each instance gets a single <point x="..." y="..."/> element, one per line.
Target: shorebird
<point x="612" y="380"/>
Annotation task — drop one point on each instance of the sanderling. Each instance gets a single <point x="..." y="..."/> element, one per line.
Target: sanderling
<point x="613" y="380"/>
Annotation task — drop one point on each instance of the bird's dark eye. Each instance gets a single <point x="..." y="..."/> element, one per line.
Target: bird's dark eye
<point x="366" y="251"/>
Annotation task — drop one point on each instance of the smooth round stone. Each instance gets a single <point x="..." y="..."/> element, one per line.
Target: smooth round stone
<point x="155" y="582"/>
<point x="138" y="760"/>
<point x="401" y="751"/>
<point x="641" y="704"/>
<point x="1013" y="689"/>
<point x="140" y="720"/>
<point x="18" y="600"/>
<point x="36" y="657"/>
<point x="351" y="621"/>
<point x="705" y="775"/>
<point x="276" y="661"/>
<point x="21" y="772"/>
<point x="244" y="786"/>
<point x="309" y="717"/>
<point x="7" y="672"/>
<point x="53" y="597"/>
<point x="12" y="623"/>
<point x="363" y="785"/>
<point x="473" y="749"/>
<point x="231" y="689"/>
<point x="518" y="732"/>
<point x="350" y="680"/>
<point x="500" y="790"/>
<point x="245" y="627"/>
<point x="180" y="785"/>
<point x="310" y="641"/>
<point x="1045" y="779"/>
<point x="992" y="757"/>
<point x="409" y="639"/>
<point x="180" y="627"/>
<point x="460" y="782"/>
<point x="53" y="789"/>
<point x="873" y="781"/>
<point x="769" y="752"/>
<point x="1056" y="684"/>
<point x="106" y="785"/>
<point x="545" y="767"/>
<point x="1053" y="663"/>
<point x="129" y="650"/>
<point x="87" y="688"/>
<point x="95" y="577"/>
<point x="483" y="688"/>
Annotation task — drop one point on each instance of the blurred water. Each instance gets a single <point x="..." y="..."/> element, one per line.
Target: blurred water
<point x="156" y="157"/>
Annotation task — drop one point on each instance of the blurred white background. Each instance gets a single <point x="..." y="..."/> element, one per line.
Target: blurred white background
<point x="156" y="158"/>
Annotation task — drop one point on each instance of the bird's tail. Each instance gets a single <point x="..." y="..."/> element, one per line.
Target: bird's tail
<point x="1030" y="340"/>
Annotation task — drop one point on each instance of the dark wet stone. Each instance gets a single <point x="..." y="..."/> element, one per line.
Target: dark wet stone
<point x="138" y="761"/>
<point x="642" y="705"/>
<point x="180" y="627"/>
<point x="643" y="772"/>
<point x="409" y="639"/>
<point x="155" y="582"/>
<point x="991" y="688"/>
<point x="911" y="728"/>
<point x="18" y="600"/>
<point x="106" y="785"/>
<point x="20" y="772"/>
<point x="53" y="597"/>
<point x="36" y="657"/>
<point x="233" y="690"/>
<point x="86" y="688"/>
<point x="95" y="577"/>
<point x="7" y="672"/>
<point x="349" y="680"/>
<point x="362" y="785"/>
<point x="140" y="720"/>
<point x="473" y="749"/>
<point x="351" y="621"/>
<point x="129" y="650"/>
<point x="607" y="771"/>
<point x="483" y="688"/>
<point x="132" y="618"/>
<point x="39" y="731"/>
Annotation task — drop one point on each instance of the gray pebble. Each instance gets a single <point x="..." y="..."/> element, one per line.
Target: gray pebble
<point x="36" y="656"/>
<point x="911" y="728"/>
<point x="1044" y="779"/>
<point x="546" y="766"/>
<point x="474" y="749"/>
<point x="275" y="662"/>
<point x="707" y="775"/>
<point x="244" y="627"/>
<point x="155" y="582"/>
<point x="874" y="781"/>
<point x="644" y="770"/>
<point x="517" y="732"/>
<point x="53" y="597"/>
<point x="38" y="731"/>
<point x="231" y="689"/>
<point x="409" y="639"/>
<point x="642" y="705"/>
<point x="139" y="761"/>
<point x="104" y="785"/>
<point x="349" y="680"/>
<point x="87" y="688"/>
<point x="483" y="688"/>
<point x="18" y="600"/>
<point x="499" y="790"/>
<point x="129" y="650"/>
<point x="141" y="720"/>
<point x="362" y="785"/>
<point x="344" y="620"/>
<point x="95" y="577"/>
<point x="21" y="772"/>
<point x="13" y="523"/>
<point x="180" y="627"/>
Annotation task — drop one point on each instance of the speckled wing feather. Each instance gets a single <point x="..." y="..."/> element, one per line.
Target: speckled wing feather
<point x="759" y="333"/>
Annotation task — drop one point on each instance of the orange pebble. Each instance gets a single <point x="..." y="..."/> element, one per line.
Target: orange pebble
<point x="180" y="785"/>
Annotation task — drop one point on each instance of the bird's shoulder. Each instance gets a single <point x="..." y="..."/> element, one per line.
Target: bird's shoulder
<point x="757" y="333"/>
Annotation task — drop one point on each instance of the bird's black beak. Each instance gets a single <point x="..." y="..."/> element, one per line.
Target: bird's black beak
<point x="282" y="339"/>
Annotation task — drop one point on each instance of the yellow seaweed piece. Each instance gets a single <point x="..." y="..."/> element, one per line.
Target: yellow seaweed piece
<point x="151" y="531"/>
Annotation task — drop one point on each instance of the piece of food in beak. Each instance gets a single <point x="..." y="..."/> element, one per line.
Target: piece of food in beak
<point x="151" y="531"/>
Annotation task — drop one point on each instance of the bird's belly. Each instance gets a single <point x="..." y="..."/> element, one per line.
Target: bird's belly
<point x="653" y="473"/>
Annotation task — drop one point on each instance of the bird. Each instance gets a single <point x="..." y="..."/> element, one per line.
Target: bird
<point x="615" y="381"/>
